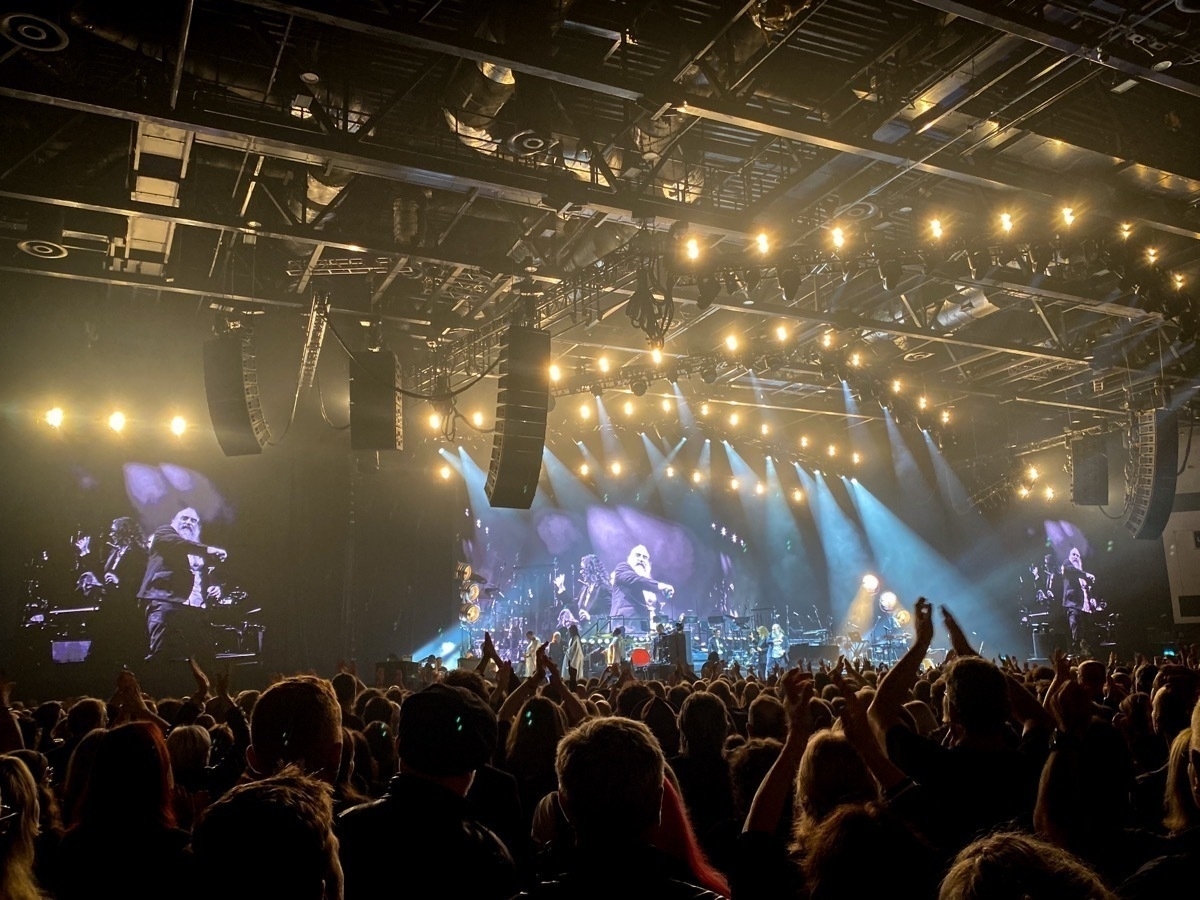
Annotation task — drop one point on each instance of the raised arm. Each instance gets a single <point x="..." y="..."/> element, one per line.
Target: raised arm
<point x="884" y="710"/>
<point x="771" y="797"/>
<point x="10" y="732"/>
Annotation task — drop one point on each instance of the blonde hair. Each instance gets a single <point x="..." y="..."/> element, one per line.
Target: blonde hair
<point x="1178" y="802"/>
<point x="19" y="791"/>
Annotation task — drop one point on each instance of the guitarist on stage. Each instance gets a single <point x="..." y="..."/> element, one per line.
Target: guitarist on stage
<point x="1078" y="600"/>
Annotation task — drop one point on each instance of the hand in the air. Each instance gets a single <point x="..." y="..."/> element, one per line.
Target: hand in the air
<point x="923" y="621"/>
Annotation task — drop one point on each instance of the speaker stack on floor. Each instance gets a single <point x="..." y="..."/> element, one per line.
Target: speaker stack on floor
<point x="231" y="387"/>
<point x="376" y="407"/>
<point x="1151" y="475"/>
<point x="523" y="398"/>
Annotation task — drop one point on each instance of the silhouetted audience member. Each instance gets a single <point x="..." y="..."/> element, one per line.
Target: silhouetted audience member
<point x="297" y="722"/>
<point x="1011" y="866"/>
<point x="445" y="734"/>
<point x="19" y="814"/>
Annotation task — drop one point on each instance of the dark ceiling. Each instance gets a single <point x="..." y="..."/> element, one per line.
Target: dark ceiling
<point x="438" y="166"/>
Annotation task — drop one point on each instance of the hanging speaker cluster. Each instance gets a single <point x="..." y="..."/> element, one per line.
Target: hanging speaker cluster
<point x="522" y="400"/>
<point x="1151" y="475"/>
<point x="1089" y="471"/>
<point x="231" y="386"/>
<point x="376" y="407"/>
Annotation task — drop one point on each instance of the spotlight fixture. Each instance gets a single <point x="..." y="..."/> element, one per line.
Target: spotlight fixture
<point x="797" y="495"/>
<point x="628" y="408"/>
<point x="444" y="471"/>
<point x="1068" y="215"/>
<point x="935" y="229"/>
<point x="602" y="362"/>
<point x="763" y="243"/>
<point x="666" y="405"/>
<point x="781" y="333"/>
<point x="584" y="469"/>
<point x="693" y="249"/>
<point x="922" y="402"/>
<point x="839" y="238"/>
<point x="945" y="417"/>
<point x="789" y="283"/>
<point x="708" y="375"/>
<point x="178" y="425"/>
<point x="856" y="457"/>
<point x="804" y="442"/>
<point x="733" y="419"/>
<point x="870" y="583"/>
<point x="477" y="419"/>
<point x="670" y="471"/>
<point x="704" y="409"/>
<point x="708" y="288"/>
<point x="1032" y="473"/>
<point x="696" y="477"/>
<point x="615" y="468"/>
<point x="856" y="359"/>
<point x="1049" y="493"/>
<point x="896" y="385"/>
<point x="117" y="421"/>
<point x="832" y="450"/>
<point x="555" y="373"/>
<point x="733" y="484"/>
<point x="585" y="411"/>
<point x="435" y="421"/>
<point x="1006" y="223"/>
<point x="766" y="429"/>
<point x="656" y="356"/>
<point x="54" y="417"/>
<point x="597" y="390"/>
<point x="760" y="489"/>
<point x="888" y="602"/>
<point x="827" y="340"/>
<point x="639" y="388"/>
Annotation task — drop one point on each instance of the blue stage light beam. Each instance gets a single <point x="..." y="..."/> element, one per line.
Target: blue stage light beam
<point x="846" y="555"/>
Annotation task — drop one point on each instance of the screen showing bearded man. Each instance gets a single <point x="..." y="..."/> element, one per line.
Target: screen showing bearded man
<point x="634" y="592"/>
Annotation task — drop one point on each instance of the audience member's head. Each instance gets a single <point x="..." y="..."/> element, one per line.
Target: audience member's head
<point x="445" y="734"/>
<point x="976" y="703"/>
<point x="534" y="737"/>
<point x="189" y="747"/>
<point x="297" y="721"/>
<point x="86" y="715"/>
<point x="345" y="688"/>
<point x="286" y="821"/>
<point x="129" y="787"/>
<point x="472" y="681"/>
<point x="631" y="697"/>
<point x="766" y="718"/>
<point x="610" y="780"/>
<point x="748" y="766"/>
<point x="1019" y="866"/>
<point x="703" y="725"/>
<point x="1171" y="708"/>
<point x="663" y="724"/>
<point x="19" y="803"/>
<point x="1182" y="811"/>
<point x="831" y="774"/>
<point x="78" y="768"/>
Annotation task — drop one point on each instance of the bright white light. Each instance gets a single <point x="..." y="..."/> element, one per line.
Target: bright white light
<point x="856" y="359"/>
<point x="1126" y="229"/>
<point x="696" y="476"/>
<point x="764" y="242"/>
<point x="766" y="429"/>
<point x="116" y="421"/>
<point x="670" y="471"/>
<point x="888" y="602"/>
<point x="733" y="418"/>
<point x="804" y="442"/>
<point x="54" y="417"/>
<point x="731" y="342"/>
<point x="666" y="405"/>
<point x="827" y="340"/>
<point x="922" y="401"/>
<point x="178" y="425"/>
<point x="584" y="469"/>
<point x="628" y="408"/>
<point x="1032" y="472"/>
<point x="856" y="457"/>
<point x="603" y="363"/>
<point x="896" y="386"/>
<point x="1006" y="222"/>
<point x="444" y="471"/>
<point x="839" y="238"/>
<point x="585" y="411"/>
<point x="693" y="249"/>
<point x="832" y="450"/>
<point x="870" y="583"/>
<point x="704" y="409"/>
<point x="555" y="373"/>
<point x="1151" y="254"/>
<point x="945" y="417"/>
<point x="477" y="419"/>
<point x="615" y="468"/>
<point x="1049" y="493"/>
<point x="760" y="489"/>
<point x="734" y="484"/>
<point x="797" y="495"/>
<point x="935" y="228"/>
<point x="656" y="356"/>
<point x="1068" y="214"/>
<point x="1022" y="492"/>
<point x="781" y="333"/>
<point x="435" y="421"/>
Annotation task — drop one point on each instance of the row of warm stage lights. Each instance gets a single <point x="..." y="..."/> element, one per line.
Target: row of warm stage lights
<point x="116" y="421"/>
<point x="938" y="229"/>
<point x="855" y="360"/>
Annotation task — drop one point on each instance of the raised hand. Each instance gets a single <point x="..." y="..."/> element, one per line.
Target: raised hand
<point x="797" y="692"/>
<point x="958" y="638"/>
<point x="202" y="683"/>
<point x="488" y="650"/>
<point x="923" y="621"/>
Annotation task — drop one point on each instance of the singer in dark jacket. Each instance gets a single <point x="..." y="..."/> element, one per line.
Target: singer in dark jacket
<point x="176" y="582"/>
<point x="630" y="583"/>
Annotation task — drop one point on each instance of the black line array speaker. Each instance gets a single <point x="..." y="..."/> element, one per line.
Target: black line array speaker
<point x="1151" y="474"/>
<point x="522" y="400"/>
<point x="1089" y="471"/>
<point x="231" y="386"/>
<point x="376" y="407"/>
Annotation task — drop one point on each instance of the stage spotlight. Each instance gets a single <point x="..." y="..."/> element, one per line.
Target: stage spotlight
<point x="734" y="283"/>
<point x="670" y="471"/>
<point x="584" y="469"/>
<point x="1022" y="492"/>
<point x="704" y="409"/>
<point x="555" y="373"/>
<point x="615" y="468"/>
<point x="666" y="405"/>
<point x="870" y="583"/>
<point x="1126" y="230"/>
<point x="945" y="417"/>
<point x="856" y="457"/>
<point x="1006" y="222"/>
<point x="708" y="288"/>
<point x="922" y="402"/>
<point x="1049" y="493"/>
<point x="602" y="362"/>
<point x="117" y="421"/>
<point x="753" y="279"/>
<point x="693" y="249"/>
<point x="804" y="442"/>
<point x="734" y="484"/>
<point x="763" y="242"/>
<point x="935" y="229"/>
<point x="54" y="417"/>
<point x="639" y="388"/>
<point x="896" y="385"/>
<point x="597" y="391"/>
<point x="891" y="273"/>
<point x="656" y="356"/>
<point x="832" y="450"/>
<point x="781" y="333"/>
<point x="585" y="411"/>
<point x="477" y="419"/>
<point x="178" y="425"/>
<point x="856" y="359"/>
<point x="839" y="238"/>
<point x="731" y="342"/>
<point x="696" y="477"/>
<point x="444" y="471"/>
<point x="827" y="340"/>
<point x="797" y="495"/>
<point x="628" y="408"/>
<point x="1068" y="215"/>
<point x="435" y="421"/>
<point x="760" y="489"/>
<point x="1032" y="473"/>
<point x="979" y="261"/>
<point x="733" y="419"/>
<point x="1039" y="256"/>
<point x="789" y="283"/>
<point x="708" y="374"/>
<point x="888" y="602"/>
<point x="766" y="429"/>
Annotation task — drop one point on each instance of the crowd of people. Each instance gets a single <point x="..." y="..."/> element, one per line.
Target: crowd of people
<point x="834" y="779"/>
